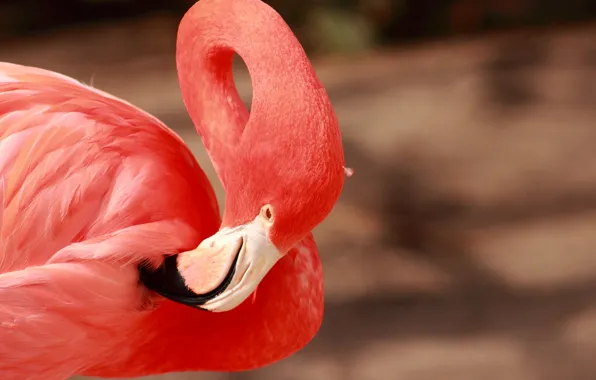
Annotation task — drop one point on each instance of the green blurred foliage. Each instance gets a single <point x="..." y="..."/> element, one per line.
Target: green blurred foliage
<point x="322" y="25"/>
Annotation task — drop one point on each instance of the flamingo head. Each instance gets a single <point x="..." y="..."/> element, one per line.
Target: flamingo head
<point x="282" y="165"/>
<point x="283" y="181"/>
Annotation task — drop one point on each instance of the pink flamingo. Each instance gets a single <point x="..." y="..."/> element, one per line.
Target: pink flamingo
<point x="97" y="194"/>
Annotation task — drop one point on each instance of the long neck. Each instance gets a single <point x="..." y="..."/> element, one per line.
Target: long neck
<point x="209" y="35"/>
<point x="291" y="128"/>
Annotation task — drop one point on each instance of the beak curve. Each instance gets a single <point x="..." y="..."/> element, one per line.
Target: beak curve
<point x="222" y="272"/>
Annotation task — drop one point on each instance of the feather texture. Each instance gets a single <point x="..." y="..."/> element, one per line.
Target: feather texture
<point x="90" y="187"/>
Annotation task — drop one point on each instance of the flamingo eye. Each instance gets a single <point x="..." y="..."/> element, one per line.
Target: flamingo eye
<point x="267" y="213"/>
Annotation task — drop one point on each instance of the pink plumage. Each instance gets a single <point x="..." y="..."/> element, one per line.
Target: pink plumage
<point x="109" y="229"/>
<point x="89" y="183"/>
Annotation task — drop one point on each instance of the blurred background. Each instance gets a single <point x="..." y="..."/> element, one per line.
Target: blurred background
<point x="464" y="245"/>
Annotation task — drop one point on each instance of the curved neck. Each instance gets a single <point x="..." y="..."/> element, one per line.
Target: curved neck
<point x="291" y="117"/>
<point x="209" y="35"/>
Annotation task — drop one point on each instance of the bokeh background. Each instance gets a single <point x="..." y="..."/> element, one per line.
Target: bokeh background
<point x="464" y="247"/>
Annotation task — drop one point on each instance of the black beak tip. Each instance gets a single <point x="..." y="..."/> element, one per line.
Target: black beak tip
<point x="167" y="281"/>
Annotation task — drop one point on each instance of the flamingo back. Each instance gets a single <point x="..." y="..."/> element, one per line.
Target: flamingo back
<point x="90" y="187"/>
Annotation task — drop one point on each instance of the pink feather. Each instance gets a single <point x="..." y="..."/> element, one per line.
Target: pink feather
<point x="90" y="187"/>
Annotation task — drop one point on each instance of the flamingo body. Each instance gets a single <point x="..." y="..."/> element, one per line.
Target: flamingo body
<point x="90" y="184"/>
<point x="84" y="165"/>
<point x="92" y="187"/>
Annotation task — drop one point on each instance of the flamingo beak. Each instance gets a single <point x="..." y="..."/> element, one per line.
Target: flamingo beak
<point x="222" y="272"/>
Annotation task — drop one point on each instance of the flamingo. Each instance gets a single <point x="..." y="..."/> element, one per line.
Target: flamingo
<point x="114" y="260"/>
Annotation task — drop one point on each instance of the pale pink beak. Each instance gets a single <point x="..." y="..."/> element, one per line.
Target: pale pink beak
<point x="228" y="266"/>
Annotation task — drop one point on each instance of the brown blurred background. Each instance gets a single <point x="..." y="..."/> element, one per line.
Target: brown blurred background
<point x="464" y="247"/>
